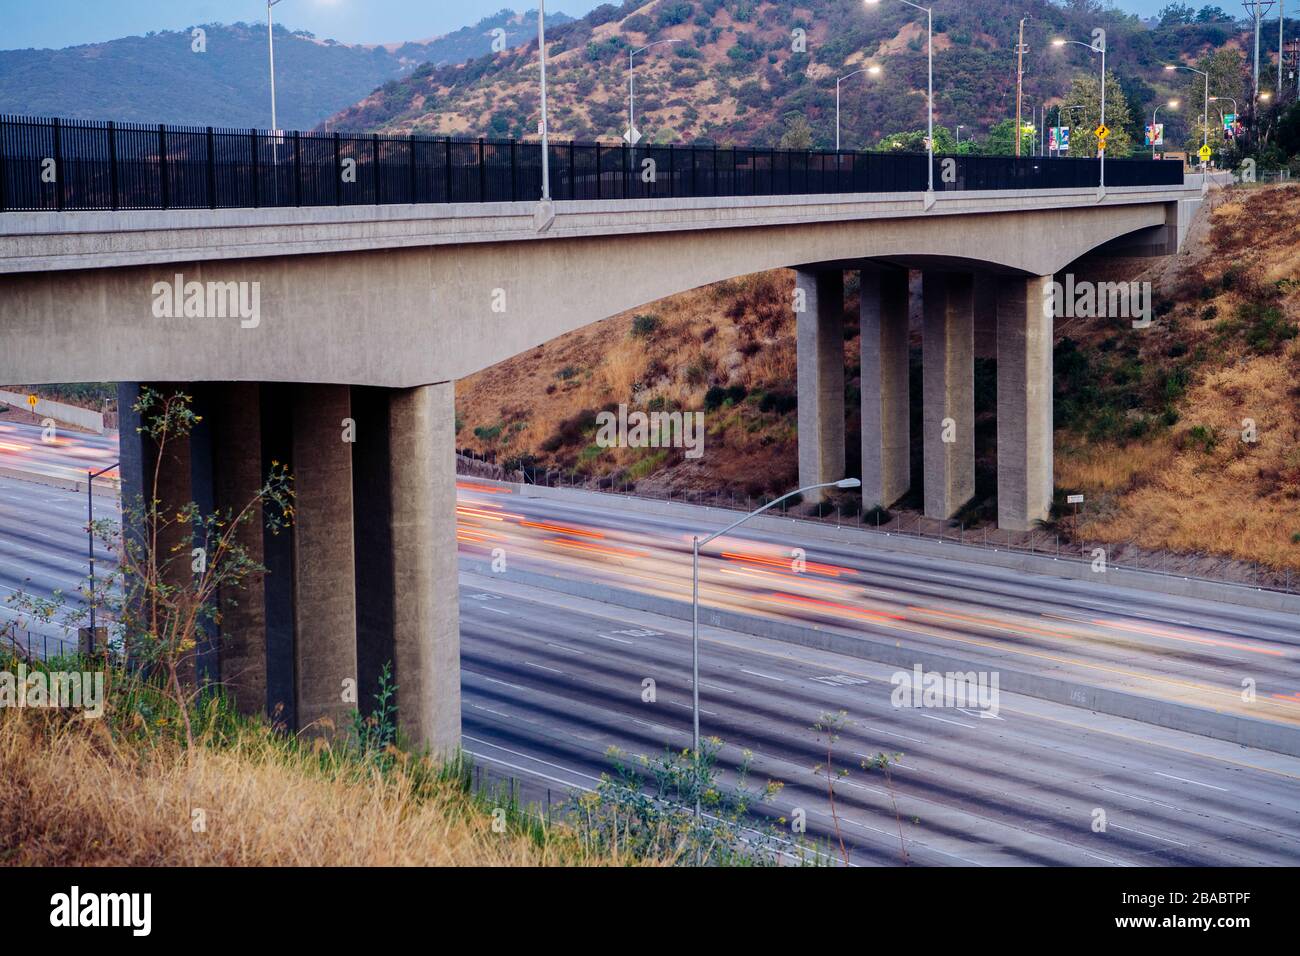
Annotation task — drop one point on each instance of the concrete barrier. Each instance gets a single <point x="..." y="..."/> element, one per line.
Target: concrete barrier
<point x="1245" y="731"/>
<point x="103" y="487"/>
<point x="59" y="411"/>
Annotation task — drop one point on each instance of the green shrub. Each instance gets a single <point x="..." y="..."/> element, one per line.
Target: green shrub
<point x="644" y="325"/>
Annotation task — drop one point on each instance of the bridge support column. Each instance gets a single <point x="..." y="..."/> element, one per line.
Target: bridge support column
<point x="325" y="631"/>
<point x="1025" y="458"/>
<point x="948" y="386"/>
<point x="426" y="625"/>
<point x="886" y="425"/>
<point x="820" y="339"/>
<point x="235" y="410"/>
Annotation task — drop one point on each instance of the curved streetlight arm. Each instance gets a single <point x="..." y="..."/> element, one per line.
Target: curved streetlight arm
<point x="929" y="44"/>
<point x="843" y="483"/>
<point x="631" y="78"/>
<point x="1102" y="51"/>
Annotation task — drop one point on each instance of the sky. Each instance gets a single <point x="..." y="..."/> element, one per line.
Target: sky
<point x="59" y="23"/>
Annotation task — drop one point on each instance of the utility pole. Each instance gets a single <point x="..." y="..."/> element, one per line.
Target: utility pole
<point x="1021" y="50"/>
<point x="1281" y="46"/>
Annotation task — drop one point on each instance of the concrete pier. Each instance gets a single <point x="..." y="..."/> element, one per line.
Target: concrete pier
<point x="886" y="425"/>
<point x="948" y="373"/>
<point x="1025" y="458"/>
<point x="820" y="337"/>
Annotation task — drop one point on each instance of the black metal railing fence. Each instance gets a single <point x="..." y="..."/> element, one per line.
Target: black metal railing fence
<point x="53" y="164"/>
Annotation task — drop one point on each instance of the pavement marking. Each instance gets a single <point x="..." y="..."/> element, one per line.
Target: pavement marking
<point x="725" y="690"/>
<point x="1151" y="836"/>
<point x="689" y="707"/>
<point x="1197" y="782"/>
<point x="618" y="640"/>
<point x="891" y="733"/>
<point x="779" y="680"/>
<point x="565" y="647"/>
<point x="1130" y="796"/>
<point x="948" y="721"/>
<point x="542" y="667"/>
<point x="495" y="610"/>
<point x="491" y="711"/>
<point x="503" y="683"/>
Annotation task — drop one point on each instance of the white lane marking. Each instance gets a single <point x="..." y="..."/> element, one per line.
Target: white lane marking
<point x="494" y="610"/>
<point x="725" y="690"/>
<point x="490" y="711"/>
<point x="1130" y="796"/>
<point x="503" y="683"/>
<point x="1106" y="860"/>
<point x="859" y="786"/>
<point x="890" y="733"/>
<point x="565" y="647"/>
<point x="1149" y="835"/>
<point x="688" y="707"/>
<point x="779" y="680"/>
<point x="947" y="721"/>
<point x="1197" y="782"/>
<point x="619" y="640"/>
<point x="542" y="667"/>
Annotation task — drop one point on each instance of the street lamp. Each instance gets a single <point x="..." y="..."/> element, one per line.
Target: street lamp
<point x="541" y="56"/>
<point x="959" y="129"/>
<point x="929" y="29"/>
<point x="1235" y="113"/>
<point x="631" y="89"/>
<point x="874" y="71"/>
<point x="90" y="536"/>
<point x="1173" y="105"/>
<point x="1205" y="117"/>
<point x="1060" y="42"/>
<point x="270" y="52"/>
<point x="696" y="543"/>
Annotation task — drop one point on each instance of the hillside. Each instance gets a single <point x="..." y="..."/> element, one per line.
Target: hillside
<point x="157" y="78"/>
<point x="1148" y="421"/>
<point x="734" y="75"/>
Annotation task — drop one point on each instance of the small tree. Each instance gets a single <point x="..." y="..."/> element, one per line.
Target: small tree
<point x="829" y="726"/>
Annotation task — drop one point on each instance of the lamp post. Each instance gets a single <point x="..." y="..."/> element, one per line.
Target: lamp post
<point x="90" y="537"/>
<point x="541" y="56"/>
<point x="929" y="29"/>
<point x="1236" y="115"/>
<point x="1173" y="105"/>
<point x="1059" y="41"/>
<point x="1205" y="117"/>
<point x="696" y="544"/>
<point x="959" y="129"/>
<point x="631" y="88"/>
<point x="1066" y="109"/>
<point x="874" y="71"/>
<point x="270" y="52"/>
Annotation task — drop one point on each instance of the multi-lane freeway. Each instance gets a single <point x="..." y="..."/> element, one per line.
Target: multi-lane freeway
<point x="551" y="681"/>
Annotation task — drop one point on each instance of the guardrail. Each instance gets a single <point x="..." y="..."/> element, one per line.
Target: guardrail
<point x="56" y="164"/>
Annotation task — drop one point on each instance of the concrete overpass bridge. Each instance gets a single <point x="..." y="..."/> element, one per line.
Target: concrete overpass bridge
<point x="287" y="322"/>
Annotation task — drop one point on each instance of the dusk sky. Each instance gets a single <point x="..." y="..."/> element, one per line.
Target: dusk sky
<point x="59" y="23"/>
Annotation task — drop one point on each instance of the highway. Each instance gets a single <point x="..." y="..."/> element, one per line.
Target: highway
<point x="552" y="681"/>
<point x="1177" y="649"/>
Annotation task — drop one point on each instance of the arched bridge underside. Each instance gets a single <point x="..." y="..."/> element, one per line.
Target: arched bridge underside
<point x="399" y="296"/>
<point x="284" y="323"/>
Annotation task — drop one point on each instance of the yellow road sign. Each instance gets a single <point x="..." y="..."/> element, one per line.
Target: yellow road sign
<point x="1102" y="131"/>
<point x="1205" y="153"/>
<point x="31" y="402"/>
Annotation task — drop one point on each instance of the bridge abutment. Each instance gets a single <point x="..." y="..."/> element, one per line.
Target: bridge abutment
<point x="820" y="346"/>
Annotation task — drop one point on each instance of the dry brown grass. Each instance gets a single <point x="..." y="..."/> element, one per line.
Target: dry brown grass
<point x="71" y="796"/>
<point x="1172" y="491"/>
